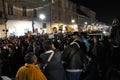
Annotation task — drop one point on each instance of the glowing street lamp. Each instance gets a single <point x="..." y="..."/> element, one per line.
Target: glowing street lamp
<point x="42" y="16"/>
<point x="73" y="20"/>
<point x="86" y="23"/>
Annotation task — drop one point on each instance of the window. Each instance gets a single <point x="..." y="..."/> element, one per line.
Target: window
<point x="24" y="11"/>
<point x="10" y="9"/>
<point x="35" y="13"/>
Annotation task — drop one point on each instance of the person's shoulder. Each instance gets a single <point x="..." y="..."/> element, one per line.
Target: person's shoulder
<point x="29" y="68"/>
<point x="22" y="68"/>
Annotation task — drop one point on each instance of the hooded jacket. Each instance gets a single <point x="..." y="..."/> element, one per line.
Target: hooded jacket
<point x="30" y="72"/>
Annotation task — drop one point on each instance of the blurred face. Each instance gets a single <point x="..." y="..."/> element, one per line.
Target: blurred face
<point x="53" y="47"/>
<point x="95" y="40"/>
<point x="10" y="50"/>
<point x="55" y="30"/>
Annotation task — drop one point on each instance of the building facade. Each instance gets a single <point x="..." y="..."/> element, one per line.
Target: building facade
<point x="24" y="14"/>
<point x="91" y="14"/>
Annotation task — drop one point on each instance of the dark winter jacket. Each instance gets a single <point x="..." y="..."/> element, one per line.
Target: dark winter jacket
<point x="73" y="57"/>
<point x="54" y="69"/>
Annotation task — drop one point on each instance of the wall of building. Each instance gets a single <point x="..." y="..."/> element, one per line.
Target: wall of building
<point x="2" y="33"/>
<point x="91" y="14"/>
<point x="57" y="13"/>
<point x="1" y="7"/>
<point x="18" y="27"/>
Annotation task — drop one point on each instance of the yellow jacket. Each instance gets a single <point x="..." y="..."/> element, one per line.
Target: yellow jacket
<point x="30" y="72"/>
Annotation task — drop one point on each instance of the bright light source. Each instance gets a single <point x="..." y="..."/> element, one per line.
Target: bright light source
<point x="86" y="23"/>
<point x="104" y="32"/>
<point x="42" y="16"/>
<point x="73" y="21"/>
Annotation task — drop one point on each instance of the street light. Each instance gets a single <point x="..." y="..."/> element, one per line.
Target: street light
<point x="86" y="23"/>
<point x="73" y="21"/>
<point x="85" y="26"/>
<point x="42" y="16"/>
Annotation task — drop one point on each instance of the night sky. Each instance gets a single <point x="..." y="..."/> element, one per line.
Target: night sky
<point x="105" y="10"/>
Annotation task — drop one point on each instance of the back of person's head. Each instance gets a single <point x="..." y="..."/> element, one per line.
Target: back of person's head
<point x="30" y="58"/>
<point x="83" y="34"/>
<point x="75" y="34"/>
<point x="47" y="45"/>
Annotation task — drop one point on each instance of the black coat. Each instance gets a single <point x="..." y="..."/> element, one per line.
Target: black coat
<point x="73" y="57"/>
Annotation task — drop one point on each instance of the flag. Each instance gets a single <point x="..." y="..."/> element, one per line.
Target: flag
<point x="70" y="29"/>
<point x="33" y="26"/>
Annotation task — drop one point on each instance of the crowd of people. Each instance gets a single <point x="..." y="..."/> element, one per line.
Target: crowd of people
<point x="70" y="56"/>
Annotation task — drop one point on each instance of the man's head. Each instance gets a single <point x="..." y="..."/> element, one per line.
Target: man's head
<point x="30" y="58"/>
<point x="48" y="45"/>
<point x="75" y="35"/>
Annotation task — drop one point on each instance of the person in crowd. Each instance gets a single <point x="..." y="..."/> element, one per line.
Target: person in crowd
<point x="115" y="37"/>
<point x="107" y="45"/>
<point x="51" y="62"/>
<point x="113" y="72"/>
<point x="30" y="71"/>
<point x="54" y="30"/>
<point x="56" y="41"/>
<point x="99" y="55"/>
<point x="85" y="40"/>
<point x="91" y="71"/>
<point x="73" y="58"/>
<point x="77" y="38"/>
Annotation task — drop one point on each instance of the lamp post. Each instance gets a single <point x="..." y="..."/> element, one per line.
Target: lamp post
<point x="73" y="21"/>
<point x="42" y="17"/>
<point x="85" y="26"/>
